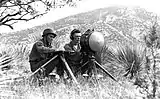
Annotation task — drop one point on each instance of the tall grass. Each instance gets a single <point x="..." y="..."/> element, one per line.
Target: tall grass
<point x="14" y="59"/>
<point x="107" y="89"/>
<point x="114" y="60"/>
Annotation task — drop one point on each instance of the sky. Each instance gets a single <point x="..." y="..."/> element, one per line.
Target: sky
<point x="84" y="6"/>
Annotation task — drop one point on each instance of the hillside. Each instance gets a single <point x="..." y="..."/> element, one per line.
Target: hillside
<point x="118" y="24"/>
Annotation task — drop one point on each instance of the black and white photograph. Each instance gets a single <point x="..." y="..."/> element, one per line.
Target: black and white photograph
<point x="79" y="49"/>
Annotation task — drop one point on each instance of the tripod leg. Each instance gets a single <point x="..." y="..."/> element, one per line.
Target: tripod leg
<point x="94" y="72"/>
<point x="43" y="65"/>
<point x="93" y="68"/>
<point x="81" y="68"/>
<point x="105" y="71"/>
<point x="89" y="68"/>
<point x="69" y="70"/>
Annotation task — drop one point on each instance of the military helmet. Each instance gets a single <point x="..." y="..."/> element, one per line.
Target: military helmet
<point x="48" y="31"/>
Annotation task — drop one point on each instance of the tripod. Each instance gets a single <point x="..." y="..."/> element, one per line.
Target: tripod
<point x="91" y="66"/>
<point x="91" y="61"/>
<point x="68" y="68"/>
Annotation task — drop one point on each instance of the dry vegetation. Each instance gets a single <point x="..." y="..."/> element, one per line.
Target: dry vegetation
<point x="134" y="64"/>
<point x="25" y="88"/>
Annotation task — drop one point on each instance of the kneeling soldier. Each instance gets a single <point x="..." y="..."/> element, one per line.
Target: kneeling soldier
<point x="42" y="51"/>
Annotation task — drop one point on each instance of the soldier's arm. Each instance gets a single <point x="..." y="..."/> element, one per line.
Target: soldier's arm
<point x="68" y="48"/>
<point x="42" y="49"/>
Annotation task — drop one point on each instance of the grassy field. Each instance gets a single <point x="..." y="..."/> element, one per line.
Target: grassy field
<point x="26" y="88"/>
<point x="104" y="89"/>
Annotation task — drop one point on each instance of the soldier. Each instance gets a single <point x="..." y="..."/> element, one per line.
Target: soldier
<point x="74" y="57"/>
<point x="42" y="51"/>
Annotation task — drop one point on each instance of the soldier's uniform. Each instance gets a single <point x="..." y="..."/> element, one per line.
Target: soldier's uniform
<point x="70" y="47"/>
<point x="42" y="52"/>
<point x="74" y="59"/>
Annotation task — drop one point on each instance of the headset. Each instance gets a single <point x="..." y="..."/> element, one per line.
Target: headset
<point x="73" y="32"/>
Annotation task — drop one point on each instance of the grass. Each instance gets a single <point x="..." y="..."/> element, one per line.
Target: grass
<point x="89" y="89"/>
<point x="107" y="89"/>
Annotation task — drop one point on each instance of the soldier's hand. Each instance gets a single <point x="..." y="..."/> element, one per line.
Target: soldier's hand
<point x="52" y="50"/>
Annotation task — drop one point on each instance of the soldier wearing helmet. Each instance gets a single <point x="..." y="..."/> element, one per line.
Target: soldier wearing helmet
<point x="41" y="52"/>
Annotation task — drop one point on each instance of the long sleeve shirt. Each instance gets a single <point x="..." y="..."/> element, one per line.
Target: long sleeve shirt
<point x="40" y="51"/>
<point x="72" y="48"/>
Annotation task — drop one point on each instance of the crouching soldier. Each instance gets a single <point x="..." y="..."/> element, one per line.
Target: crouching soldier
<point x="42" y="52"/>
<point x="74" y="57"/>
<point x="77" y="59"/>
